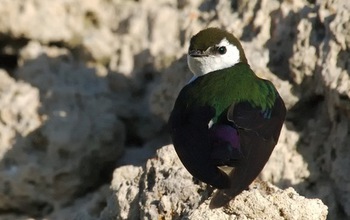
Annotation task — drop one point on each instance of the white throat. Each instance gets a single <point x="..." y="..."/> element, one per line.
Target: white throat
<point x="206" y="64"/>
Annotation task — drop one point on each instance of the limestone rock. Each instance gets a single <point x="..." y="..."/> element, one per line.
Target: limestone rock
<point x="19" y="103"/>
<point x="163" y="189"/>
<point x="164" y="94"/>
<point x="123" y="203"/>
<point x="87" y="207"/>
<point x="71" y="22"/>
<point x="265" y="201"/>
<point x="62" y="132"/>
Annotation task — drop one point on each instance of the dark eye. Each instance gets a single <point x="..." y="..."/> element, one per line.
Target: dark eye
<point x="222" y="50"/>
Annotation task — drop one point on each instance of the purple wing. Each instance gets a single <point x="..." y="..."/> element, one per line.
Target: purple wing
<point x="258" y="133"/>
<point x="225" y="142"/>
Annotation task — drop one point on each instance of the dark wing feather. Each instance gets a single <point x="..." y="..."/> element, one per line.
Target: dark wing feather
<point x="190" y="134"/>
<point x="258" y="137"/>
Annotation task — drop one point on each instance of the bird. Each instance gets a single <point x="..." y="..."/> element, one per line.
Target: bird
<point x="226" y="120"/>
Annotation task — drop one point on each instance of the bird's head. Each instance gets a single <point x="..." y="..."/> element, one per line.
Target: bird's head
<point x="213" y="49"/>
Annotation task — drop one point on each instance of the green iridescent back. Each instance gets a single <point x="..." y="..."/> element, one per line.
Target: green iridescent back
<point x="220" y="89"/>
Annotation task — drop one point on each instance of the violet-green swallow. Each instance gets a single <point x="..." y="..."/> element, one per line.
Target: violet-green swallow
<point x="226" y="116"/>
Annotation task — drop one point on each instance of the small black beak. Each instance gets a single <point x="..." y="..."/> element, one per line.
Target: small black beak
<point x="196" y="53"/>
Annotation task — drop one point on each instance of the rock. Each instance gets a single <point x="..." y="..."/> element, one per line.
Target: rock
<point x="123" y="204"/>
<point x="62" y="148"/>
<point x="321" y="116"/>
<point x="163" y="189"/>
<point x="164" y="94"/>
<point x="265" y="201"/>
<point x="87" y="207"/>
<point x="19" y="103"/>
<point x="91" y="77"/>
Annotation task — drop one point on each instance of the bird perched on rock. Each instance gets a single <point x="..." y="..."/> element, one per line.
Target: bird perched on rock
<point x="225" y="117"/>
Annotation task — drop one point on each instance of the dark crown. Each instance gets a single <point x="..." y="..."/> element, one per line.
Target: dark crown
<point x="212" y="36"/>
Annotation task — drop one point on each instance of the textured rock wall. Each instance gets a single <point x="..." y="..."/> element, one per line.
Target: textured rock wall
<point x="81" y="82"/>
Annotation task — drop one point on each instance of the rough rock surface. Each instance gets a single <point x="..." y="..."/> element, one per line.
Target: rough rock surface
<point x="81" y="82"/>
<point x="59" y="134"/>
<point x="163" y="189"/>
<point x="153" y="191"/>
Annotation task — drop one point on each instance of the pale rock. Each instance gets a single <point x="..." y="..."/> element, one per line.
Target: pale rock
<point x="123" y="204"/>
<point x="64" y="131"/>
<point x="164" y="93"/>
<point x="163" y="189"/>
<point x="19" y="103"/>
<point x="265" y="201"/>
<point x="101" y="44"/>
<point x="87" y="207"/>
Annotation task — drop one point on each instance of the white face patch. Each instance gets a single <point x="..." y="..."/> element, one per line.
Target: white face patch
<point x="206" y="64"/>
